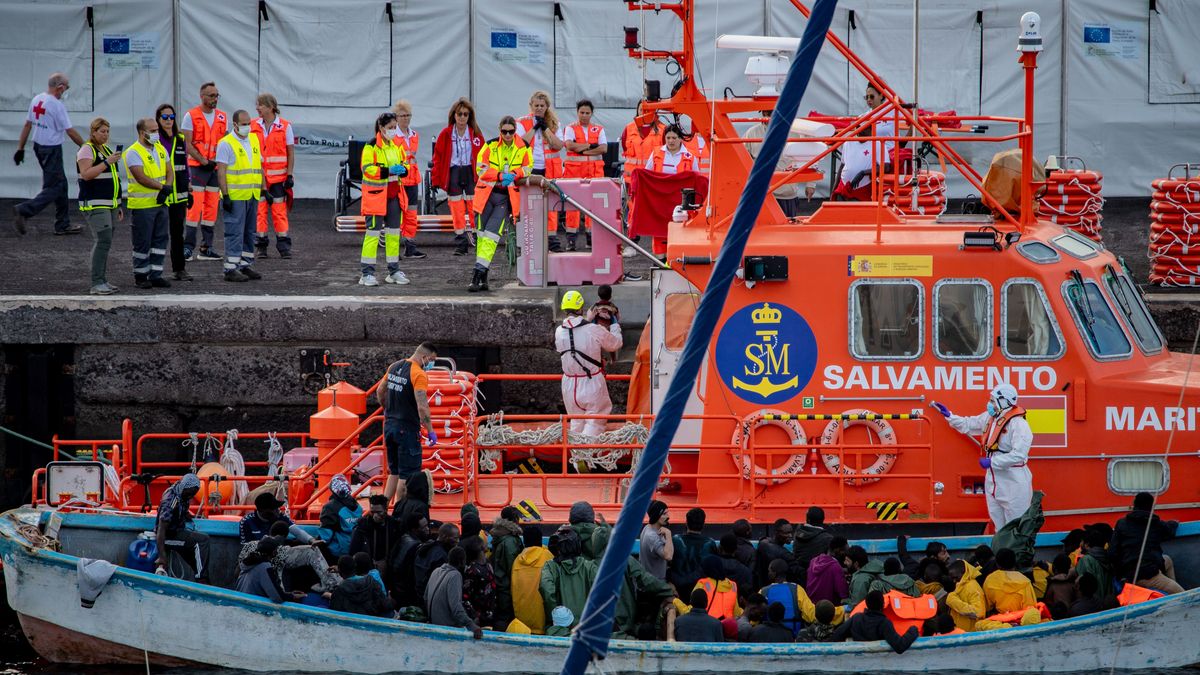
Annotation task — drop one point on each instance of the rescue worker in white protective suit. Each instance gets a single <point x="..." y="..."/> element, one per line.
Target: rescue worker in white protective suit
<point x="1006" y="437"/>
<point x="581" y="343"/>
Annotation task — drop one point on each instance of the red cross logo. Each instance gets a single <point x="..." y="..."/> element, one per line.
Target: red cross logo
<point x="39" y="110"/>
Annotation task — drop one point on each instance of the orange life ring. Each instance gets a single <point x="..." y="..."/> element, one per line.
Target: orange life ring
<point x="793" y="465"/>
<point x="1167" y="206"/>
<point x="1067" y="175"/>
<point x="883" y="462"/>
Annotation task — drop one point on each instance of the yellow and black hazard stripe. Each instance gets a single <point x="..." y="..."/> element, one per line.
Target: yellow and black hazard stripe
<point x="528" y="510"/>
<point x="530" y="465"/>
<point x="887" y="510"/>
<point x="915" y="415"/>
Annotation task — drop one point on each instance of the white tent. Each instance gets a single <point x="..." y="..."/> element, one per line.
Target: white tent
<point x="1118" y="83"/>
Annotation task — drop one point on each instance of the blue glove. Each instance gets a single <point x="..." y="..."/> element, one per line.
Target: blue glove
<point x="398" y="170"/>
<point x="985" y="463"/>
<point x="940" y="408"/>
<point x="432" y="436"/>
<point x="507" y="178"/>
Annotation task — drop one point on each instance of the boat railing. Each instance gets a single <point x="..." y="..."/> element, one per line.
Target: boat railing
<point x="116" y="450"/>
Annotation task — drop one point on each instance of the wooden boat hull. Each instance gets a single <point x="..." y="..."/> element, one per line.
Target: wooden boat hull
<point x="178" y="622"/>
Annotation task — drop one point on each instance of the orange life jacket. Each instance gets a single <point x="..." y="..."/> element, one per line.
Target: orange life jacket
<point x="1015" y="616"/>
<point x="489" y="174"/>
<point x="274" y="148"/>
<point x="701" y="153"/>
<point x="995" y="427"/>
<point x="721" y="604"/>
<point x="687" y="161"/>
<point x="637" y="148"/>
<point x="904" y="610"/>
<point x="580" y="165"/>
<point x="1132" y="594"/>
<point x="205" y="138"/>
<point x="410" y="144"/>
<point x="378" y="155"/>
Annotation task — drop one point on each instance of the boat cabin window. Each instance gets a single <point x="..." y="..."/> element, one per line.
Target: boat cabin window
<point x="962" y="319"/>
<point x="1029" y="331"/>
<point x="680" y="311"/>
<point x="1131" y="307"/>
<point x="1095" y="319"/>
<point x="1076" y="245"/>
<point x="1038" y="252"/>
<point x="886" y="319"/>
<point x="1131" y="476"/>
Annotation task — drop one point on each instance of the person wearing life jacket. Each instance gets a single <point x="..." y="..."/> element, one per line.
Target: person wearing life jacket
<point x="1006" y="438"/>
<point x="149" y="180"/>
<point x="539" y="131"/>
<point x="872" y="624"/>
<point x="277" y="139"/>
<point x="722" y="592"/>
<point x="700" y="149"/>
<point x="454" y="155"/>
<point x="502" y="166"/>
<point x="99" y="199"/>
<point x="203" y="127"/>
<point x="411" y="140"/>
<point x="240" y="177"/>
<point x="384" y="164"/>
<point x="798" y="608"/>
<point x="586" y="144"/>
<point x="671" y="156"/>
<point x="966" y="602"/>
<point x="639" y="138"/>
<point x="580" y="343"/>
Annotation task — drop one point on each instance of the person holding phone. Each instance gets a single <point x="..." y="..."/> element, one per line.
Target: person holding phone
<point x="99" y="199"/>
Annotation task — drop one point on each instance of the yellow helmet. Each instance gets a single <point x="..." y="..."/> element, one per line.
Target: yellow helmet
<point x="572" y="300"/>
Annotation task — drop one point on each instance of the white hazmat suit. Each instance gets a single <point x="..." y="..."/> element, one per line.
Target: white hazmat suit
<point x="584" y="389"/>
<point x="1008" y="485"/>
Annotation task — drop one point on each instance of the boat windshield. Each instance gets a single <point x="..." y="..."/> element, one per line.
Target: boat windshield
<point x="1133" y="309"/>
<point x="1095" y="319"/>
<point x="1030" y="331"/>
<point x="963" y="316"/>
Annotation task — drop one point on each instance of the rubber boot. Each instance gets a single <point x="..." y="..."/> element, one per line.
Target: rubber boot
<point x="483" y="285"/>
<point x="284" y="244"/>
<point x="260" y="247"/>
<point x="572" y="239"/>
<point x="411" y="250"/>
<point x="460" y="243"/>
<point x="476" y="284"/>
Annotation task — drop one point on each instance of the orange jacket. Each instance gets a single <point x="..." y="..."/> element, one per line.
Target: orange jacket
<point x="491" y="163"/>
<point x="686" y="163"/>
<point x="636" y="148"/>
<point x="274" y="148"/>
<point x="410" y="144"/>
<point x="579" y="165"/>
<point x="205" y="138"/>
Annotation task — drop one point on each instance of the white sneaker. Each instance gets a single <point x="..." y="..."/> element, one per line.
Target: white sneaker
<point x="629" y="253"/>
<point x="396" y="277"/>
<point x="367" y="280"/>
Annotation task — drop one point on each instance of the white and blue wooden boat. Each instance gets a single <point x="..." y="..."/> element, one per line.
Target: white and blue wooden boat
<point x="142" y="617"/>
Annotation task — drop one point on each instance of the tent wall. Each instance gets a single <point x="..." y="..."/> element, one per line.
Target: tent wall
<point x="1118" y="83"/>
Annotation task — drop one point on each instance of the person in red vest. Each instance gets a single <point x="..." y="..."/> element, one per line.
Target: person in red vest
<point x="410" y="139"/>
<point x="454" y="154"/>
<point x="586" y="144"/>
<point x="638" y="140"/>
<point x="671" y="156"/>
<point x="203" y="127"/>
<point x="276" y="138"/>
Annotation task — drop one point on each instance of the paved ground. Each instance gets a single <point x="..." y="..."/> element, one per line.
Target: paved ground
<point x="326" y="262"/>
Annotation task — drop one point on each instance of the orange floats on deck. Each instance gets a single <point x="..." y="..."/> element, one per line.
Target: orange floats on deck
<point x="1072" y="199"/>
<point x="452" y="403"/>
<point x="927" y="188"/>
<point x="347" y="396"/>
<point x="214" y="478"/>
<point x="835" y="432"/>
<point x="1175" y="230"/>
<point x="331" y="428"/>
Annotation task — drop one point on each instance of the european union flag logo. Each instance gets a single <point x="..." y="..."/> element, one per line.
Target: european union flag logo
<point x="116" y="45"/>
<point x="1097" y="34"/>
<point x="504" y="40"/>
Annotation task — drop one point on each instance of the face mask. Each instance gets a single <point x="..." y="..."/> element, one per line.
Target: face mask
<point x="65" y="96"/>
<point x="390" y="133"/>
<point x="152" y="138"/>
<point x="992" y="409"/>
<point x="243" y="130"/>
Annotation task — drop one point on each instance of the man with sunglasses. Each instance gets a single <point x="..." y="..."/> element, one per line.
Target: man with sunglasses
<point x="203" y="127"/>
<point x="48" y="120"/>
<point x="501" y="165"/>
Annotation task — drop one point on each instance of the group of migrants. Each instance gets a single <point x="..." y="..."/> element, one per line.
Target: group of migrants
<point x="802" y="583"/>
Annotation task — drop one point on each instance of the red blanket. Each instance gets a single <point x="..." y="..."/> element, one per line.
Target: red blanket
<point x="653" y="197"/>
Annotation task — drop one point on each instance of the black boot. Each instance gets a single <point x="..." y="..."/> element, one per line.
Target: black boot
<point x="284" y="245"/>
<point x="476" y="284"/>
<point x="260" y="247"/>
<point x="572" y="239"/>
<point x="411" y="251"/>
<point x="483" y="285"/>
<point x="460" y="243"/>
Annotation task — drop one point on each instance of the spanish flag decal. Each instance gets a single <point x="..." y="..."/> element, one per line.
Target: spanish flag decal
<point x="1047" y="417"/>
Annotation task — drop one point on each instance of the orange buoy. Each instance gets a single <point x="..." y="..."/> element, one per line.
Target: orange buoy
<point x="930" y="193"/>
<point x="347" y="396"/>
<point x="1072" y="199"/>
<point x="1174" y="247"/>
<point x="217" y="483"/>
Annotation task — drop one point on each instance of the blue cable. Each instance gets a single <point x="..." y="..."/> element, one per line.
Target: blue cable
<point x="591" y="636"/>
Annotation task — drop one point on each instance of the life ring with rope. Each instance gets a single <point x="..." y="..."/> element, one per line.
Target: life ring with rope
<point x="741" y="435"/>
<point x="883" y="461"/>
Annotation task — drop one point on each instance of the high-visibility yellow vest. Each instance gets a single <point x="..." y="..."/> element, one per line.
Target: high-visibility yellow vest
<point x="103" y="191"/>
<point x="244" y="176"/>
<point x="376" y="157"/>
<point x="154" y="166"/>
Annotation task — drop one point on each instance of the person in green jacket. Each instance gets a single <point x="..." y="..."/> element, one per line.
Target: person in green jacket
<point x="567" y="580"/>
<point x="1095" y="561"/>
<point x="865" y="573"/>
<point x="507" y="544"/>
<point x="894" y="579"/>
<point x="640" y="588"/>
<point x="583" y="521"/>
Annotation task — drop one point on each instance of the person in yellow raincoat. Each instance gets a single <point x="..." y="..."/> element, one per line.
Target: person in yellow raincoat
<point x="966" y="601"/>
<point x="526" y="579"/>
<point x="1006" y="589"/>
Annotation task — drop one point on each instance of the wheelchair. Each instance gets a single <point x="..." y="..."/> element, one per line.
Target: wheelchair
<point x="348" y="190"/>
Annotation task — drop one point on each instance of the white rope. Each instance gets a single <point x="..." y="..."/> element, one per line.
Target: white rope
<point x="274" y="454"/>
<point x="232" y="462"/>
<point x="193" y="440"/>
<point x="212" y="446"/>
<point x="494" y="433"/>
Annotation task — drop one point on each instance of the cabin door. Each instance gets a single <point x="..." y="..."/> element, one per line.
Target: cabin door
<point x="673" y="306"/>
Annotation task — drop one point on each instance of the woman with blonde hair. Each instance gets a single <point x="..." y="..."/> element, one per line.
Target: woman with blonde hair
<point x="539" y="130"/>
<point x="99" y="198"/>
<point x="407" y="136"/>
<point x="454" y="154"/>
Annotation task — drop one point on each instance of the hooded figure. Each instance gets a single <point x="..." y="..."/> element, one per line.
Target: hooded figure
<point x="526" y="581"/>
<point x="583" y="521"/>
<point x="507" y="544"/>
<point x="416" y="497"/>
<point x="640" y="588"/>
<point x="339" y="515"/>
<point x="1006" y="437"/>
<point x="568" y="579"/>
<point x="581" y="343"/>
<point x="966" y="601"/>
<point x="894" y="579"/>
